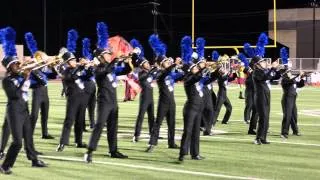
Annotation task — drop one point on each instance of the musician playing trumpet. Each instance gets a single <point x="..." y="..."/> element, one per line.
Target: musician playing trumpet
<point x="224" y="77"/>
<point x="290" y="85"/>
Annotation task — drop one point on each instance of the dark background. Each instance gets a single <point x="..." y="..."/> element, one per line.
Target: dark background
<point x="221" y="22"/>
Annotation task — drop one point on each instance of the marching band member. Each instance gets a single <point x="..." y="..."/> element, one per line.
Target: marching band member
<point x="261" y="77"/>
<point x="106" y="76"/>
<point x="168" y="75"/>
<point x="146" y="77"/>
<point x="193" y="108"/>
<point x="224" y="77"/>
<point x="76" y="99"/>
<point x="89" y="83"/>
<point x="289" y="85"/>
<point x="39" y="82"/>
<point x="16" y="87"/>
<point x="208" y="109"/>
<point x="250" y="113"/>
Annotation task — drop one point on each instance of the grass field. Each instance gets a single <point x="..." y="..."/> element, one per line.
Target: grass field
<point x="230" y="154"/>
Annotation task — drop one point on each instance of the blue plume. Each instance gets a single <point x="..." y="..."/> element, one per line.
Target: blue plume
<point x="86" y="48"/>
<point x="215" y="56"/>
<point x="200" y="43"/>
<point x="186" y="50"/>
<point x="72" y="40"/>
<point x="263" y="39"/>
<point x="284" y="55"/>
<point x="262" y="42"/>
<point x="243" y="59"/>
<point x="9" y="39"/>
<point x="2" y="31"/>
<point x="158" y="47"/>
<point x="31" y="43"/>
<point x="135" y="43"/>
<point x="249" y="50"/>
<point x="260" y="51"/>
<point x="103" y="36"/>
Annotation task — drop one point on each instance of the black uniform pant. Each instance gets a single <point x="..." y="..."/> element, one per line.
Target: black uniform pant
<point x="250" y="112"/>
<point x="223" y="100"/>
<point x="289" y="109"/>
<point x="5" y="134"/>
<point x="191" y="130"/>
<point x="208" y="113"/>
<point x="249" y="95"/>
<point x="107" y="113"/>
<point x="63" y="91"/>
<point x="146" y="105"/>
<point x="166" y="108"/>
<point x="19" y="124"/>
<point x="91" y="106"/>
<point x="40" y="101"/>
<point x="263" y="109"/>
<point x="75" y="112"/>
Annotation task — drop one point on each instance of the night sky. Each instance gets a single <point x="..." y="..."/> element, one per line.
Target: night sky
<point x="221" y="22"/>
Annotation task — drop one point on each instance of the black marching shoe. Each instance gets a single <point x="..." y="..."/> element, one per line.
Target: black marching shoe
<point x="241" y="95"/>
<point x="181" y="158"/>
<point x="265" y="142"/>
<point x="252" y="132"/>
<point x="60" y="148"/>
<point x="6" y="171"/>
<point x="135" y="139"/>
<point x="118" y="155"/>
<point x="246" y="121"/>
<point x="173" y="146"/>
<point x="88" y="157"/>
<point x="198" y="157"/>
<point x="2" y="154"/>
<point x="224" y="122"/>
<point x="38" y="153"/>
<point x="297" y="134"/>
<point x="38" y="163"/>
<point x="284" y="136"/>
<point x="81" y="145"/>
<point x="257" y="142"/>
<point x="150" y="148"/>
<point x="208" y="134"/>
<point x="48" y="136"/>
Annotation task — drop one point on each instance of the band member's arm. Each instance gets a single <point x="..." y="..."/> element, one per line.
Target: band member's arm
<point x="232" y="77"/>
<point x="88" y="73"/>
<point x="261" y="75"/>
<point x="300" y="83"/>
<point x="38" y="78"/>
<point x="71" y="74"/>
<point x="51" y="73"/>
<point x="177" y="75"/>
<point x="191" y="79"/>
<point x="164" y="73"/>
<point x="12" y="90"/>
<point x="122" y="68"/>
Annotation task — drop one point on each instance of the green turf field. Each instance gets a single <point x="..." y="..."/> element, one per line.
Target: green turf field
<point x="230" y="154"/>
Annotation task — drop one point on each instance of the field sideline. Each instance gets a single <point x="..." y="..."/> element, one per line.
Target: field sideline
<point x="229" y="155"/>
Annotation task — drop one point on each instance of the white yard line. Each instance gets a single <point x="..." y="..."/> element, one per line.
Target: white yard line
<point x="151" y="168"/>
<point x="278" y="122"/>
<point x="251" y="140"/>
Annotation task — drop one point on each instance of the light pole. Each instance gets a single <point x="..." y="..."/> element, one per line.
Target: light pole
<point x="44" y="25"/>
<point x="155" y="15"/>
<point x="314" y="4"/>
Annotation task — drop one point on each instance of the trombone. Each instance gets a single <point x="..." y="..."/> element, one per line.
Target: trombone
<point x="40" y="60"/>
